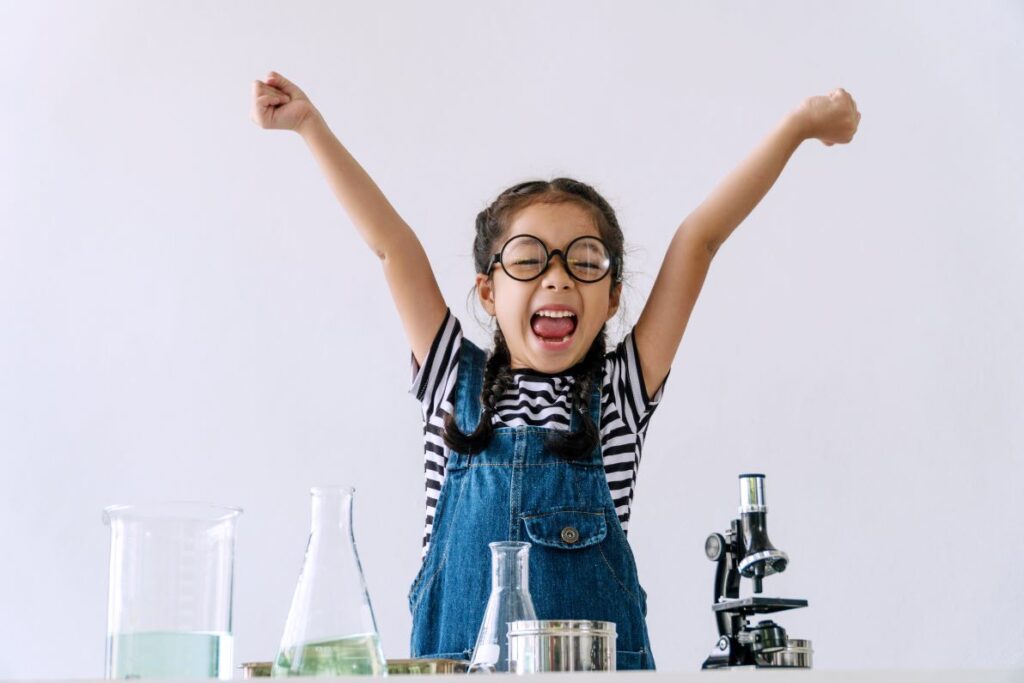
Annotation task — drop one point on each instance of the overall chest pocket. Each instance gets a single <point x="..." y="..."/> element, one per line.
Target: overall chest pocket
<point x="567" y="529"/>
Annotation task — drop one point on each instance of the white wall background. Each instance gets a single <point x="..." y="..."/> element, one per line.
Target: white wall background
<point x="186" y="312"/>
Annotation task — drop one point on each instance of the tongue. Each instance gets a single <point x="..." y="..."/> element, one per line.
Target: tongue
<point x="553" y="328"/>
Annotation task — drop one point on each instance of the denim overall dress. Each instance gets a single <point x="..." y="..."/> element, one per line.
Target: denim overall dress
<point x="581" y="565"/>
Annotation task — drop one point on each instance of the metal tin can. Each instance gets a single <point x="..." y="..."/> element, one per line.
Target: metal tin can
<point x="255" y="669"/>
<point x="426" y="666"/>
<point x="561" y="645"/>
<point x="796" y="655"/>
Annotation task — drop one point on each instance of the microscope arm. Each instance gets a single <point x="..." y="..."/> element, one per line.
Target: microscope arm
<point x="721" y="548"/>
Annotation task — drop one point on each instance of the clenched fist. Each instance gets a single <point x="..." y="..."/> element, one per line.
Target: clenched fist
<point x="278" y="103"/>
<point x="831" y="118"/>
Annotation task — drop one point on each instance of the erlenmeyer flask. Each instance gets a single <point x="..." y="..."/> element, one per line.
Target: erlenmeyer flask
<point x="509" y="601"/>
<point x="169" y="599"/>
<point x="330" y="630"/>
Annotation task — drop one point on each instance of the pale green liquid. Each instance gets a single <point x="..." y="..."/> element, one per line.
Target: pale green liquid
<point x="168" y="654"/>
<point x="354" y="655"/>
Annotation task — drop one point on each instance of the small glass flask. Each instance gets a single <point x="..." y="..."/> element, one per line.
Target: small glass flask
<point x="509" y="601"/>
<point x="331" y="630"/>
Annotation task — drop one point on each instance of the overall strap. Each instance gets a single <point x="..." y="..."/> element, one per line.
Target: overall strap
<point x="595" y="403"/>
<point x="594" y="408"/>
<point x="469" y="386"/>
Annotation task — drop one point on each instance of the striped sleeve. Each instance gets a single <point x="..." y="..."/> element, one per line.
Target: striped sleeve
<point x="432" y="385"/>
<point x="431" y="382"/>
<point x="629" y="393"/>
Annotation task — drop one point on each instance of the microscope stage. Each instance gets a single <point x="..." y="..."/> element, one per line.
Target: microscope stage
<point x="758" y="605"/>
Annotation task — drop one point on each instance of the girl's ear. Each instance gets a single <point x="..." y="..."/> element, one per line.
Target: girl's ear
<point x="485" y="290"/>
<point x="613" y="301"/>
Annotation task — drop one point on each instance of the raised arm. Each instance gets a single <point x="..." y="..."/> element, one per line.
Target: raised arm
<point x="278" y="103"/>
<point x="832" y="119"/>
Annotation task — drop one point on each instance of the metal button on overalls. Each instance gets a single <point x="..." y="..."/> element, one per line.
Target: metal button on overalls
<point x="570" y="535"/>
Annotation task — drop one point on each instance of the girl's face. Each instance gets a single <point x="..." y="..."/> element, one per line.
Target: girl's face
<point x="515" y="302"/>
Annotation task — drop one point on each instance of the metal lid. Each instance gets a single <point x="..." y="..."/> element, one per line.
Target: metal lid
<point x="561" y="627"/>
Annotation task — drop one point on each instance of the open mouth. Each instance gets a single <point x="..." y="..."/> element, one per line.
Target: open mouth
<point x="554" y="327"/>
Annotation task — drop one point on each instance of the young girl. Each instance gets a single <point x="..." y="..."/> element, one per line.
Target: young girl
<point x="540" y="439"/>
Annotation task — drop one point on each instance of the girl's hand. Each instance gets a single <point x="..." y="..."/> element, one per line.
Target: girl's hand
<point x="830" y="118"/>
<point x="278" y="103"/>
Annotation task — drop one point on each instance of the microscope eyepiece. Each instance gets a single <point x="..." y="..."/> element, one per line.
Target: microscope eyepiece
<point x="760" y="558"/>
<point x="752" y="493"/>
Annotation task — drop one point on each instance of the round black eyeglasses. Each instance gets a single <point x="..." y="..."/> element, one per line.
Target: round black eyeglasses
<point x="525" y="257"/>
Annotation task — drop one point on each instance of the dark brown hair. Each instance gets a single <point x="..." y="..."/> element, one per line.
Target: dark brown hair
<point x="491" y="226"/>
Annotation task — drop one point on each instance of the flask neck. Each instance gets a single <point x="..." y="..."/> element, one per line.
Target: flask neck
<point x="332" y="509"/>
<point x="510" y="566"/>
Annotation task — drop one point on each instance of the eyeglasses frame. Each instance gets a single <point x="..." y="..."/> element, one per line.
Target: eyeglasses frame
<point x="549" y="255"/>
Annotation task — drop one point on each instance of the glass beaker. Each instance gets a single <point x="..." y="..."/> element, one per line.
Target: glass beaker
<point x="331" y="630"/>
<point x="509" y="601"/>
<point x="170" y="588"/>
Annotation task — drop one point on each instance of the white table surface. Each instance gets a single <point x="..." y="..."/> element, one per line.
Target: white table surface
<point x="720" y="676"/>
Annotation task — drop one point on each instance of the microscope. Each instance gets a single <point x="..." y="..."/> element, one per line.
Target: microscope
<point x="744" y="550"/>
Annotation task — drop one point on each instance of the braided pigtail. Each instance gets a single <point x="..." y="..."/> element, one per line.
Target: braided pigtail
<point x="497" y="379"/>
<point x="579" y="444"/>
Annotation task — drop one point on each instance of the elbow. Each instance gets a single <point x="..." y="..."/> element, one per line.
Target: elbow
<point x="712" y="248"/>
<point x="699" y="240"/>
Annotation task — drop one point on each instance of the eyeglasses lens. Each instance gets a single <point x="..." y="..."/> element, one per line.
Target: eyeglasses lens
<point x="588" y="260"/>
<point x="523" y="258"/>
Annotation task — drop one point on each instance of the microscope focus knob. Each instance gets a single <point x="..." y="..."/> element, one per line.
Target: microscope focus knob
<point x="714" y="546"/>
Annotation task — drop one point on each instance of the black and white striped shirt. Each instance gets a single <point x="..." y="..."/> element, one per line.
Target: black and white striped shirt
<point x="538" y="399"/>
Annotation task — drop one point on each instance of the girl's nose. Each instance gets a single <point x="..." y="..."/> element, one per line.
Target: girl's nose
<point x="556" y="275"/>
